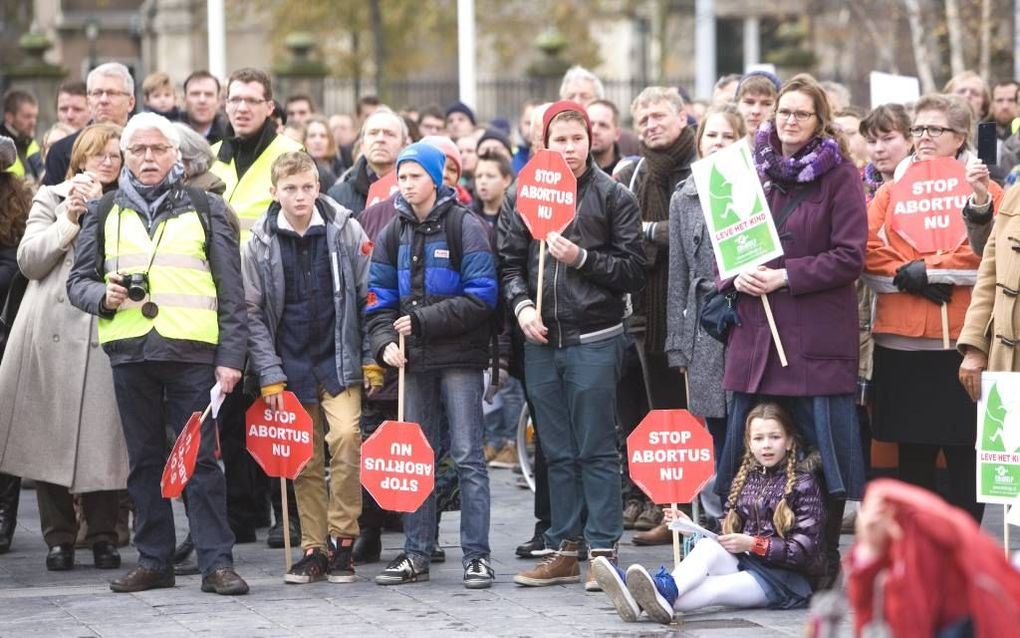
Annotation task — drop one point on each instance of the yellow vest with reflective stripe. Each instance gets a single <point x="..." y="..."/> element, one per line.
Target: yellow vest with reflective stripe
<point x="180" y="280"/>
<point x="249" y="196"/>
<point x="17" y="167"/>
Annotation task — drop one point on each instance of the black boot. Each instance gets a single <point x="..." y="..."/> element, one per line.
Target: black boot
<point x="367" y="547"/>
<point x="833" y="528"/>
<point x="10" y="495"/>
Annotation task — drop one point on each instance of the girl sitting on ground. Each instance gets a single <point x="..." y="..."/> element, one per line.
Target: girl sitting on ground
<point x="772" y="534"/>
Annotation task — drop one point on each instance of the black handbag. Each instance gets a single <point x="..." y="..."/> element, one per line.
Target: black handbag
<point x="14" y="295"/>
<point x="719" y="314"/>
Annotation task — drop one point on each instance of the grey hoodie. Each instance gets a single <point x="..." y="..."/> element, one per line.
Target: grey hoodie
<point x="350" y="252"/>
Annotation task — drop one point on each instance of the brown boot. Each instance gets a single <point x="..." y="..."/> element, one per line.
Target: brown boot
<point x="649" y="518"/>
<point x="554" y="569"/>
<point x="658" y="536"/>
<point x="631" y="511"/>
<point x="590" y="584"/>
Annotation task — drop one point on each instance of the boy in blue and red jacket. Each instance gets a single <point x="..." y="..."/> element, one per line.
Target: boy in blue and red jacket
<point x="433" y="280"/>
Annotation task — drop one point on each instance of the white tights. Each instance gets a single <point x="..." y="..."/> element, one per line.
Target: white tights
<point x="709" y="576"/>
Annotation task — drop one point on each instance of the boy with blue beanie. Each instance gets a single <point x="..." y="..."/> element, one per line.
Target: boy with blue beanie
<point x="433" y="280"/>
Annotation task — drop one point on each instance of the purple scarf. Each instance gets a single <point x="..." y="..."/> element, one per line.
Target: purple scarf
<point x="872" y="180"/>
<point x="817" y="158"/>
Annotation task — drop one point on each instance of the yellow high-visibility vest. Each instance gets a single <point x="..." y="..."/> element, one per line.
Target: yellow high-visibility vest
<point x="180" y="279"/>
<point x="17" y="167"/>
<point x="249" y="196"/>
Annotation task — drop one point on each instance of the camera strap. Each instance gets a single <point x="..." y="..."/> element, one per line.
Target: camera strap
<point x="152" y="253"/>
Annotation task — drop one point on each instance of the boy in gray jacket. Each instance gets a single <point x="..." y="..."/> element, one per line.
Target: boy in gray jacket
<point x="305" y="279"/>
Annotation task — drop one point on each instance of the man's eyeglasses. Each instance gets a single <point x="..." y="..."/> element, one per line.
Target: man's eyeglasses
<point x="158" y="150"/>
<point x="110" y="93"/>
<point x="252" y="102"/>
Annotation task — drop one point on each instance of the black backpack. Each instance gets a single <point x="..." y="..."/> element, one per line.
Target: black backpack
<point x="454" y="224"/>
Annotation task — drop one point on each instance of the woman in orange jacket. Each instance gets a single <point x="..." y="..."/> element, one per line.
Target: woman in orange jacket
<point x="918" y="402"/>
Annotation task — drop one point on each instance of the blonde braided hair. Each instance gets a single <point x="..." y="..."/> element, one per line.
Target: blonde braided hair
<point x="782" y="518"/>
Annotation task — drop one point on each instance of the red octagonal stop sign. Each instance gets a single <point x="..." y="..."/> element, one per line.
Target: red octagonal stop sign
<point x="398" y="466"/>
<point x="546" y="194"/>
<point x="926" y="204"/>
<point x="669" y="456"/>
<point x="281" y="442"/>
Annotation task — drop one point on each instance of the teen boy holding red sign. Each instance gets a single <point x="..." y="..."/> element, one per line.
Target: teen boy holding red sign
<point x="305" y="280"/>
<point x="433" y="280"/>
<point x="574" y="350"/>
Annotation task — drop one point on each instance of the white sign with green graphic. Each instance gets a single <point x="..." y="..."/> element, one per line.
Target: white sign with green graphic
<point x="998" y="438"/>
<point x="736" y="211"/>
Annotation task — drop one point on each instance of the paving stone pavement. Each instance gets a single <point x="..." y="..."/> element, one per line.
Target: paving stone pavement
<point x="37" y="603"/>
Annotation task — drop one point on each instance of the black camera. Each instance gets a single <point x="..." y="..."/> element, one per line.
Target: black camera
<point x="137" y="284"/>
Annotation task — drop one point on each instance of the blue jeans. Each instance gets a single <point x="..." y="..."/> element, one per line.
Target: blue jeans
<point x="140" y="388"/>
<point x="573" y="391"/>
<point x="501" y="424"/>
<point x="459" y="392"/>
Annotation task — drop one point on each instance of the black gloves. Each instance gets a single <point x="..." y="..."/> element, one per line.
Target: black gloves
<point x="913" y="278"/>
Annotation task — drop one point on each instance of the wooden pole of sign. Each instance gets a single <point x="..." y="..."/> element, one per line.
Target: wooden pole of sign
<point x="541" y="276"/>
<point x="676" y="542"/>
<point x="286" y="522"/>
<point x="775" y="333"/>
<point x="945" y="326"/>
<point x="400" y="383"/>
<point x="1005" y="529"/>
<point x="205" y="414"/>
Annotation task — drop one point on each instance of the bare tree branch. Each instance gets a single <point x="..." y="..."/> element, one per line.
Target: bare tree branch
<point x="956" y="63"/>
<point x="921" y="59"/>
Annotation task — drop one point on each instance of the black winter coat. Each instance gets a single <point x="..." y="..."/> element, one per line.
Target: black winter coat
<point x="585" y="300"/>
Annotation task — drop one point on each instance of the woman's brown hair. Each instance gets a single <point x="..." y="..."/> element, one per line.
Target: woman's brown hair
<point x="804" y="83"/>
<point x="782" y="518"/>
<point x="331" y="144"/>
<point x="15" y="202"/>
<point x="91" y="141"/>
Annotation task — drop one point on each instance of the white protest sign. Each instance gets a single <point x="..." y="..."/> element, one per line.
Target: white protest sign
<point x="736" y="212"/>
<point x="998" y="438"/>
<point x="887" y="88"/>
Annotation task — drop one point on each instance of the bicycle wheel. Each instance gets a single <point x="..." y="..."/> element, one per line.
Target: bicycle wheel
<point x="526" y="441"/>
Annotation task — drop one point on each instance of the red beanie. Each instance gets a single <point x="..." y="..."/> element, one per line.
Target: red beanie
<point x="560" y="107"/>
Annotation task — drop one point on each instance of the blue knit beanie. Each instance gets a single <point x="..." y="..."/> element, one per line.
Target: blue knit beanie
<point x="428" y="157"/>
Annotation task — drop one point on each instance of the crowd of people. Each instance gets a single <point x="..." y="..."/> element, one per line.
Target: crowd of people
<point x="222" y="237"/>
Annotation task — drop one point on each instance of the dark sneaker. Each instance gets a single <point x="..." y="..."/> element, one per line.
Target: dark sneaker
<point x="534" y="548"/>
<point x="225" y="582"/>
<point x="478" y="574"/>
<point x="438" y="554"/>
<point x="404" y="569"/>
<point x="368" y="547"/>
<point x="612" y="580"/>
<point x="655" y="594"/>
<point x="141" y="579"/>
<point x="341" y="561"/>
<point x="311" y="568"/>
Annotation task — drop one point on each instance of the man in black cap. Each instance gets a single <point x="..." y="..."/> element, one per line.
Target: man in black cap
<point x="460" y="120"/>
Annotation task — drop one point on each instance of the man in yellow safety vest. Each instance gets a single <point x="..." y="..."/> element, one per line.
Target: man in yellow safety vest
<point x="160" y="265"/>
<point x="21" y="110"/>
<point x="243" y="161"/>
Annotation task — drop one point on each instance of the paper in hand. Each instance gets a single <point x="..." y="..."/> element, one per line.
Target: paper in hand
<point x="216" y="397"/>
<point x="688" y="527"/>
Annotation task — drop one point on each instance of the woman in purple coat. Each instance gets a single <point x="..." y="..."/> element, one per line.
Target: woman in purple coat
<point x="815" y="194"/>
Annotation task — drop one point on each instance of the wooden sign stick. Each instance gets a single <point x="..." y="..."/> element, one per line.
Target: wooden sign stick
<point x="541" y="277"/>
<point x="775" y="333"/>
<point x="945" y="326"/>
<point x="400" y="383"/>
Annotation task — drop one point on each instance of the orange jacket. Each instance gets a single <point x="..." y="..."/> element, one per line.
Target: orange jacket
<point x="905" y="314"/>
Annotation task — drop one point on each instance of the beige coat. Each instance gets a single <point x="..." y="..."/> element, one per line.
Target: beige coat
<point x="58" y="416"/>
<point x="994" y="313"/>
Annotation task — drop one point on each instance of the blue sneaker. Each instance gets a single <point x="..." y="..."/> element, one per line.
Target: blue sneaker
<point x="611" y="579"/>
<point x="655" y="594"/>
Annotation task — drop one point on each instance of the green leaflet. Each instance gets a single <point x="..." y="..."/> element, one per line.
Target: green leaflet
<point x="992" y="428"/>
<point x="721" y="200"/>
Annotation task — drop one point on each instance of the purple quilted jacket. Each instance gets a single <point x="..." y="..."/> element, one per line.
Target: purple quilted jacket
<point x="802" y="548"/>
